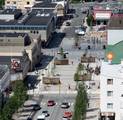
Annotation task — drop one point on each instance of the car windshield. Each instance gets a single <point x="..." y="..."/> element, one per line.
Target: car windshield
<point x="44" y="111"/>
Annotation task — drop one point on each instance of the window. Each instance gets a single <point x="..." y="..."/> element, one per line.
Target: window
<point x="109" y="81"/>
<point x="110" y="105"/>
<point x="8" y="2"/>
<point x="28" y="3"/>
<point x="109" y="93"/>
<point x="14" y="2"/>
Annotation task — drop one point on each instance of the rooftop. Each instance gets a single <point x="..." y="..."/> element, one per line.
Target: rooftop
<point x="45" y="5"/>
<point x="35" y="17"/>
<point x="117" y="52"/>
<point x="11" y="11"/>
<point x="116" y="23"/>
<point x="3" y="70"/>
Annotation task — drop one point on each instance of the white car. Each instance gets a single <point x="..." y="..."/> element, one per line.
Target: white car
<point x="41" y="117"/>
<point x="80" y="32"/>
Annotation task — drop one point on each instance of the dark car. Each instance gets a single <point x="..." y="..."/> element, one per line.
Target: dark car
<point x="36" y="107"/>
<point x="29" y="118"/>
<point x="45" y="112"/>
<point x="68" y="23"/>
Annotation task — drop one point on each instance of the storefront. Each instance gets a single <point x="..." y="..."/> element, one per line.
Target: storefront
<point x="107" y="116"/>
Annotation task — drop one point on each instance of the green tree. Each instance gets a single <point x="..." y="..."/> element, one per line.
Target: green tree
<point x="2" y="2"/>
<point x="80" y="68"/>
<point x="20" y="95"/>
<point x="81" y="103"/>
<point x="90" y="20"/>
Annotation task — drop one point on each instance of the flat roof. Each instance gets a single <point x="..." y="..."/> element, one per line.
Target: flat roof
<point x="46" y="5"/>
<point x="116" y="23"/>
<point x="12" y="34"/>
<point x="11" y="11"/>
<point x="15" y="49"/>
<point x="35" y="17"/>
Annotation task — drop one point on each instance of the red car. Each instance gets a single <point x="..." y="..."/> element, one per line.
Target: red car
<point x="67" y="114"/>
<point x="51" y="103"/>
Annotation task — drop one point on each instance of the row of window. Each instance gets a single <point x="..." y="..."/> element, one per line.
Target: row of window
<point x="23" y="28"/>
<point x="14" y="2"/>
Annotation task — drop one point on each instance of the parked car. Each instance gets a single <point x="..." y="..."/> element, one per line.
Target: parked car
<point x="67" y="115"/>
<point x="41" y="117"/>
<point x="51" y="103"/>
<point x="68" y="23"/>
<point x="45" y="112"/>
<point x="65" y="105"/>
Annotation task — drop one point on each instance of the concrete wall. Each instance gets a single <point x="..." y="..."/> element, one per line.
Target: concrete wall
<point x="114" y="36"/>
<point x="12" y="41"/>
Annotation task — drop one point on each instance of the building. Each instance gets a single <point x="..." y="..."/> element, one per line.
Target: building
<point x="4" y="82"/>
<point x="59" y="8"/>
<point x="111" y="78"/>
<point x="21" y="4"/>
<point x="37" y="23"/>
<point x="115" y="30"/>
<point x="101" y="15"/>
<point x="19" y="52"/>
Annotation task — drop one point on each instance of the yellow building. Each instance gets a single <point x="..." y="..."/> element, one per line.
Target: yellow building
<point x="19" y="4"/>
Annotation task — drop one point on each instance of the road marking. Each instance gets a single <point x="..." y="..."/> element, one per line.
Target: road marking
<point x="43" y="103"/>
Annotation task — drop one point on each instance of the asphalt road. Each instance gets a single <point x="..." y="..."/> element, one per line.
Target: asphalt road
<point x="56" y="112"/>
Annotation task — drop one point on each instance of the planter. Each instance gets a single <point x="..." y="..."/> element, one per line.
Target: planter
<point x="51" y="80"/>
<point x="61" y="62"/>
<point x="87" y="59"/>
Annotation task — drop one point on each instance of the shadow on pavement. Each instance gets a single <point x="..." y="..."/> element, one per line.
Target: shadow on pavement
<point x="45" y="60"/>
<point x="56" y="40"/>
<point x="91" y="116"/>
<point x="91" y="109"/>
<point x="31" y="81"/>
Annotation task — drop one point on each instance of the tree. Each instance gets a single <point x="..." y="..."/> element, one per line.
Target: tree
<point x="80" y="68"/>
<point x="20" y="95"/>
<point x="81" y="103"/>
<point x="2" y="2"/>
<point x="90" y="20"/>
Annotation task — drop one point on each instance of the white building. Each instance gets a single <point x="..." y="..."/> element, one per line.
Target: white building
<point x="111" y="78"/>
<point x="111" y="89"/>
<point x="115" y="30"/>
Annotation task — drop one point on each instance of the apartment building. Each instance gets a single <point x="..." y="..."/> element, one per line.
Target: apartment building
<point x="111" y="78"/>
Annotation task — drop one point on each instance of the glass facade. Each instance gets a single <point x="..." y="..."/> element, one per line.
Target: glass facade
<point x="22" y="27"/>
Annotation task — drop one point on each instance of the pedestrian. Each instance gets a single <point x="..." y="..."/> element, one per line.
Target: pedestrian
<point x="69" y="87"/>
<point x="72" y="62"/>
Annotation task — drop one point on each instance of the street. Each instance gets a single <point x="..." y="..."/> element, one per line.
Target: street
<point x="56" y="112"/>
<point x="59" y="93"/>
